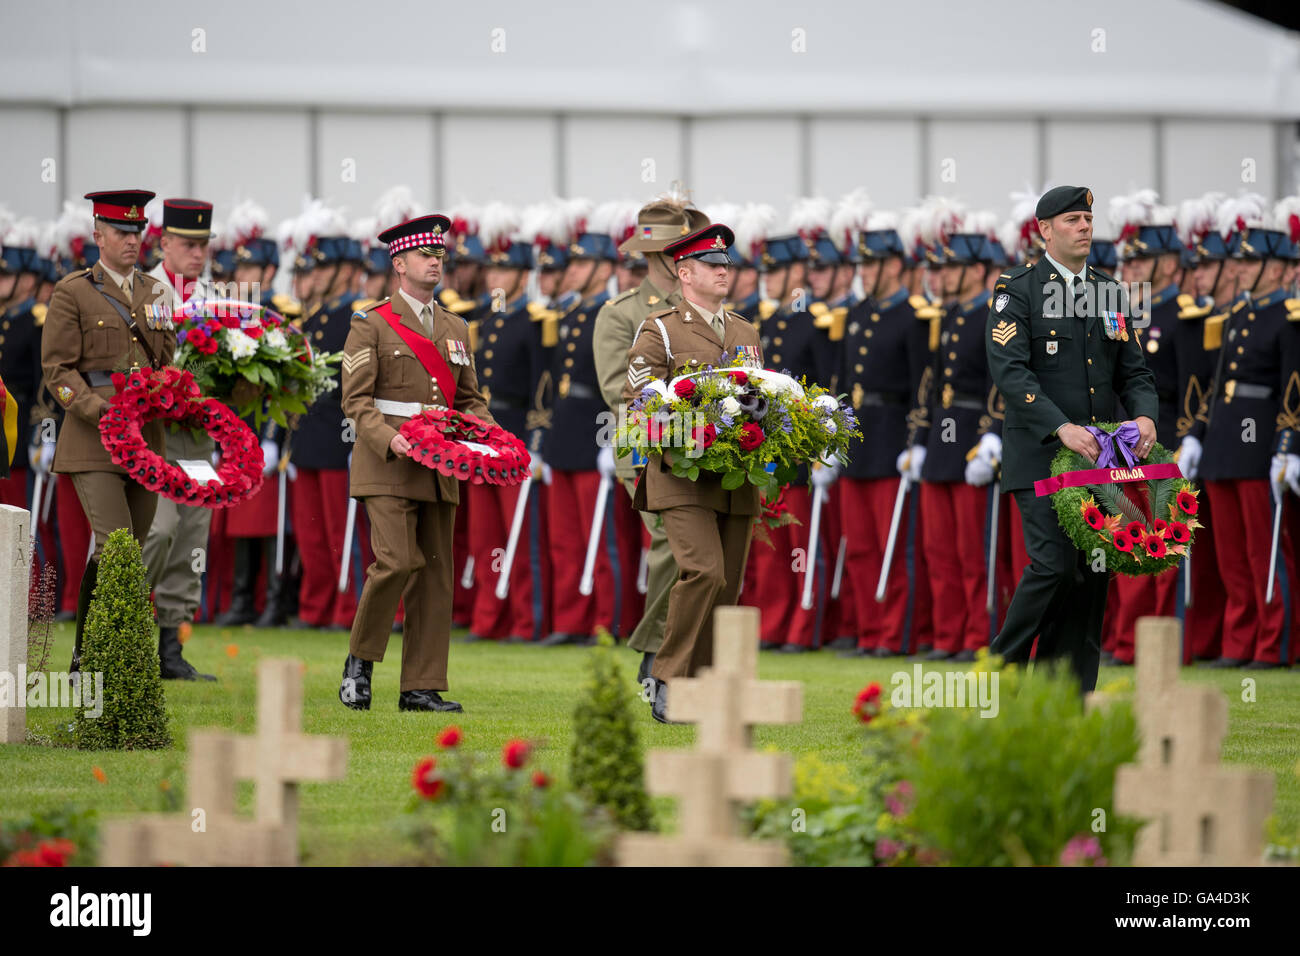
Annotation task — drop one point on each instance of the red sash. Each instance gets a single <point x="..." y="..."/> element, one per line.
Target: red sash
<point x="426" y="352"/>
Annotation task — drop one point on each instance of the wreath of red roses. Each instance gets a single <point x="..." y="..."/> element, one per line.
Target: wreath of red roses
<point x="436" y="437"/>
<point x="169" y="393"/>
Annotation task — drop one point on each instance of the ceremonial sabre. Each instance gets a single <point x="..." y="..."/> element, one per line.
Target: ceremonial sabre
<point x="839" y="568"/>
<point x="643" y="572"/>
<point x="280" y="517"/>
<point x="347" y="544"/>
<point x="904" y="485"/>
<point x="467" y="576"/>
<point x="521" y="507"/>
<point x="593" y="540"/>
<point x="49" y="500"/>
<point x="819" y="496"/>
<point x="1272" y="558"/>
<point x="1187" y="580"/>
<point x="993" y="546"/>
<point x="36" y="496"/>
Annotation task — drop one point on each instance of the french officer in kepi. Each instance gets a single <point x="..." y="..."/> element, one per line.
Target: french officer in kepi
<point x="707" y="526"/>
<point x="1060" y="365"/>
<point x="403" y="356"/>
<point x="110" y="317"/>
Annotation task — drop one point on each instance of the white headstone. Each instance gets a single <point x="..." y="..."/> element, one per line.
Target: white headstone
<point x="15" y="580"/>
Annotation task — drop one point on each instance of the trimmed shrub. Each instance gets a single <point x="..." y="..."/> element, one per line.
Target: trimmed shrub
<point x="119" y="642"/>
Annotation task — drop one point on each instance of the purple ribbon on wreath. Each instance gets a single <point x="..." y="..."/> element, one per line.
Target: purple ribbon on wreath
<point x="1125" y="439"/>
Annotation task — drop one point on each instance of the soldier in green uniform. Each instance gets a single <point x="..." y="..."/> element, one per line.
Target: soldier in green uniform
<point x="658" y="223"/>
<point x="1060" y="368"/>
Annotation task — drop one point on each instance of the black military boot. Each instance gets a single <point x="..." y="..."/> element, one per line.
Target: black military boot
<point x="248" y="560"/>
<point x="354" y="691"/>
<point x="171" y="663"/>
<point x="277" y="610"/>
<point x="88" y="579"/>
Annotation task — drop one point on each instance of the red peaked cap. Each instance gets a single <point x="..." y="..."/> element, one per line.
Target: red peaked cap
<point x="123" y="208"/>
<point x="709" y="244"/>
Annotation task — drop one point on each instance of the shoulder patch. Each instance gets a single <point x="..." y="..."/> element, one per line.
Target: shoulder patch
<point x="1292" y="310"/>
<point x="38" y="311"/>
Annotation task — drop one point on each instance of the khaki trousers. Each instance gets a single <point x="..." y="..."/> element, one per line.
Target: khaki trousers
<point x="175" y="552"/>
<point x="413" y="563"/>
<point x="113" y="501"/>
<point x="661" y="574"/>
<point x="710" y="548"/>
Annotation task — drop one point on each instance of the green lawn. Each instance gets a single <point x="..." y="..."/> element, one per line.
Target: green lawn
<point x="508" y="691"/>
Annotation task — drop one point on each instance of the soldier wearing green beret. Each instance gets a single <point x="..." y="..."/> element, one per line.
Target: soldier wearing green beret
<point x="1060" y="353"/>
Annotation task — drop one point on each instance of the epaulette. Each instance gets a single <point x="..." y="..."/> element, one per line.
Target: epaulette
<point x="363" y="305"/>
<point x="661" y="313"/>
<point x="38" y="311"/>
<point x="1098" y="274"/>
<point x="625" y="294"/>
<point x="918" y="302"/>
<point x="550" y="320"/>
<point x="1212" y="338"/>
<point x="1189" y="307"/>
<point x="1292" y="310"/>
<point x="1239" y="306"/>
<point x="930" y="313"/>
<point x="767" y="308"/>
<point x="935" y="322"/>
<point x="473" y="328"/>
<point x="286" y="305"/>
<point x="1017" y="272"/>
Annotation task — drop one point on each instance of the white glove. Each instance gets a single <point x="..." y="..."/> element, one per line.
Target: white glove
<point x="981" y="468"/>
<point x="1284" y="471"/>
<point x="270" y="456"/>
<point x="546" y="473"/>
<point x="990" y="448"/>
<point x="605" y="463"/>
<point x="823" y="476"/>
<point x="291" y="471"/>
<point x="910" y="461"/>
<point x="41" y="456"/>
<point x="1189" y="457"/>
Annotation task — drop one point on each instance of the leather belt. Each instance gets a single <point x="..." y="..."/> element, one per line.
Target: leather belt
<point x="403" y="409"/>
<point x="1234" y="389"/>
<point x="882" y="398"/>
<point x="98" y="378"/>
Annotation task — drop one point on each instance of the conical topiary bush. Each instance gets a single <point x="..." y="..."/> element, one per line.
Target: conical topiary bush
<point x="119" y="642"/>
<point x="606" y="764"/>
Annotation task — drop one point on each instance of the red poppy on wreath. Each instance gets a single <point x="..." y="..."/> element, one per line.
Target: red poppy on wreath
<point x="1122" y="542"/>
<point x="147" y="395"/>
<point x="1155" y="545"/>
<point x="1179" y="532"/>
<point x="461" y="446"/>
<point x="1160" y="527"/>
<point x="1136" y="531"/>
<point x="751" y="436"/>
<point x="1096" y="520"/>
<point x="685" y="388"/>
<point x="1187" y="503"/>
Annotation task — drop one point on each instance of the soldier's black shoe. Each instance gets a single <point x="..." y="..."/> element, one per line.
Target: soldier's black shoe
<point x="770" y="646"/>
<point x="963" y="657"/>
<point x="858" y="652"/>
<point x="659" y="706"/>
<point x="938" y="655"/>
<point x="846" y="643"/>
<point x="354" y="691"/>
<point x="558" y="638"/>
<point x="1262" y="665"/>
<point x="426" y="700"/>
<point x="794" y="649"/>
<point x="172" y="665"/>
<point x="1223" y="663"/>
<point x="514" y="639"/>
<point x="647" y="662"/>
<point x="882" y="652"/>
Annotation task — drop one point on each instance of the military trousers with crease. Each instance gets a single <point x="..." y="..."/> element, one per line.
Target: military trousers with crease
<point x="710" y="548"/>
<point x="413" y="564"/>
<point x="661" y="575"/>
<point x="1059" y="598"/>
<point x="112" y="501"/>
<point x="177" y="551"/>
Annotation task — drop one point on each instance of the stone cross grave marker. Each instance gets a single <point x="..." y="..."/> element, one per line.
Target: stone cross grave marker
<point x="276" y="759"/>
<point x="1202" y="813"/>
<point x="725" y="701"/>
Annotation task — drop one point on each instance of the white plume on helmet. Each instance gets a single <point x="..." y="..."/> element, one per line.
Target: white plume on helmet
<point x="395" y="206"/>
<point x="498" y="221"/>
<point x="849" y="218"/>
<point x="1240" y="212"/>
<point x="753" y="227"/>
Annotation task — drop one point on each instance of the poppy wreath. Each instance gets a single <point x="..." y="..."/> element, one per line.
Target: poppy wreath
<point x="172" y="394"/>
<point x="1142" y="527"/>
<point x="438" y="437"/>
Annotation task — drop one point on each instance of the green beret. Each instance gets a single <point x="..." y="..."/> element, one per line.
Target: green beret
<point x="1061" y="199"/>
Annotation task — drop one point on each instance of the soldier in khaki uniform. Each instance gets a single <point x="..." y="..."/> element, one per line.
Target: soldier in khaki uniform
<point x="708" y="528"/>
<point x="388" y="377"/>
<point x="108" y="318"/>
<point x="658" y="223"/>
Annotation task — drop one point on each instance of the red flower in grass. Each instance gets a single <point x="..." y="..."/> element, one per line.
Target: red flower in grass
<point x="449" y="738"/>
<point x="47" y="853"/>
<point x="1123" y="542"/>
<point x="685" y="388"/>
<point x="1187" y="503"/>
<point x="751" y="436"/>
<point x="706" y="436"/>
<point x="1179" y="532"/>
<point x="515" y="754"/>
<point x="1155" y="545"/>
<point x="540" y="780"/>
<point x="866" y="706"/>
<point x="1095" y="518"/>
<point x="425" y="779"/>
